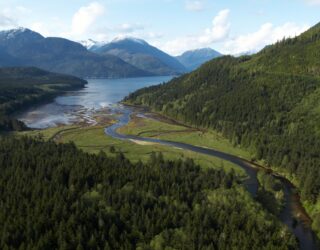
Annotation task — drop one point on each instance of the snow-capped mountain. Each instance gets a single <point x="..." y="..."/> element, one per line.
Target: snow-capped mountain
<point x="24" y="47"/>
<point x="142" y="55"/>
<point x="91" y="44"/>
<point x="128" y="38"/>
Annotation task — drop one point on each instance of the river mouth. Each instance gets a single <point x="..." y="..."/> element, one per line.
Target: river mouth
<point x="81" y="106"/>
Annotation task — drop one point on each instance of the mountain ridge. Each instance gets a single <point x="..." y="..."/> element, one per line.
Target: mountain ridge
<point x="142" y="55"/>
<point x="62" y="55"/>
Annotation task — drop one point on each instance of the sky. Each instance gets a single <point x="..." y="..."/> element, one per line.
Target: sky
<point x="229" y="26"/>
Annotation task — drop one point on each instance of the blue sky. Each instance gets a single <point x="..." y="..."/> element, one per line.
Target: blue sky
<point x="230" y="26"/>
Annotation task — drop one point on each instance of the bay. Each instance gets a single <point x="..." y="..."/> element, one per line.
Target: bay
<point x="75" y="105"/>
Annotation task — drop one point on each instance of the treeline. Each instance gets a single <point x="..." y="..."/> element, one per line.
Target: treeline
<point x="22" y="87"/>
<point x="54" y="196"/>
<point x="268" y="103"/>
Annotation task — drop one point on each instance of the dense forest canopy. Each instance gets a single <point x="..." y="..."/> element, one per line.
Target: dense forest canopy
<point x="268" y="103"/>
<point x="22" y="87"/>
<point x="57" y="197"/>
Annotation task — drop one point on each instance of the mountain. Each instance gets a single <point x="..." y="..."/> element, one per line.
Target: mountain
<point x="91" y="44"/>
<point x="142" y="55"/>
<point x="6" y="59"/>
<point x="268" y="103"/>
<point x="193" y="59"/>
<point x="27" y="48"/>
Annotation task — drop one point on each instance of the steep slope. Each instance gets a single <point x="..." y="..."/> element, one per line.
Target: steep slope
<point x="6" y="59"/>
<point x="61" y="55"/>
<point x="268" y="103"/>
<point x="142" y="55"/>
<point x="299" y="55"/>
<point x="193" y="59"/>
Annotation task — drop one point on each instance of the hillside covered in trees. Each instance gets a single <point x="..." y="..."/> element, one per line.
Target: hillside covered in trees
<point x="22" y="87"/>
<point x="269" y="103"/>
<point x="54" y="196"/>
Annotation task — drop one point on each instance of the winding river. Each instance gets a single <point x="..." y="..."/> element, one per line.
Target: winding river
<point x="299" y="226"/>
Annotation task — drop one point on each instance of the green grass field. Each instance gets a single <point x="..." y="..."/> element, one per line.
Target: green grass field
<point x="93" y="140"/>
<point x="157" y="129"/>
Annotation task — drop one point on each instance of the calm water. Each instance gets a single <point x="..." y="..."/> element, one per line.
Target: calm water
<point x="99" y="93"/>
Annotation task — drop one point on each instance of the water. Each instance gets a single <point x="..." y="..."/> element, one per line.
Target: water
<point x="78" y="106"/>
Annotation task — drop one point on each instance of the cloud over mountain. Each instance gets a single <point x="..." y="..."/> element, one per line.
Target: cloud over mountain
<point x="85" y="17"/>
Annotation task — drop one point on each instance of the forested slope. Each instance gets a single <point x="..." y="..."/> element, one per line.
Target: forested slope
<point x="21" y="87"/>
<point x="268" y="103"/>
<point x="54" y="196"/>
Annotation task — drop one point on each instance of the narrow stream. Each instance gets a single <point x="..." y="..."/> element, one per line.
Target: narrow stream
<point x="299" y="226"/>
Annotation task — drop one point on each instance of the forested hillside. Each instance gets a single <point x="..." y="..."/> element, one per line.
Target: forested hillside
<point x="54" y="196"/>
<point x="22" y="87"/>
<point x="268" y="103"/>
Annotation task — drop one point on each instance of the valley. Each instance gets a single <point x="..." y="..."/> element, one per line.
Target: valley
<point x="153" y="125"/>
<point x="143" y="136"/>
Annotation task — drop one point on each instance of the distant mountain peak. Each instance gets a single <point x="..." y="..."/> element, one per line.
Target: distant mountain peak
<point x="193" y="59"/>
<point x="129" y="39"/>
<point x="17" y="31"/>
<point x="90" y="43"/>
<point x="201" y="49"/>
<point x="13" y="33"/>
<point x="141" y="54"/>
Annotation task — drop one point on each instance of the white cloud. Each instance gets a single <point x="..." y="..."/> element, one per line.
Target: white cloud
<point x="154" y="35"/>
<point x="9" y="17"/>
<point x="129" y="28"/>
<point x="194" y="5"/>
<point x="267" y="34"/>
<point x="85" y="17"/>
<point x="7" y="22"/>
<point x="218" y="32"/>
<point x="40" y="28"/>
<point x="313" y="2"/>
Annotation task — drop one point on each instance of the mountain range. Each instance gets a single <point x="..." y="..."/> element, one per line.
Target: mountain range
<point x="23" y="47"/>
<point x="142" y="55"/>
<point x="126" y="57"/>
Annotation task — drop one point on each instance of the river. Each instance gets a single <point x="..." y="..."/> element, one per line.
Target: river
<point x="101" y="93"/>
<point x="299" y="226"/>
